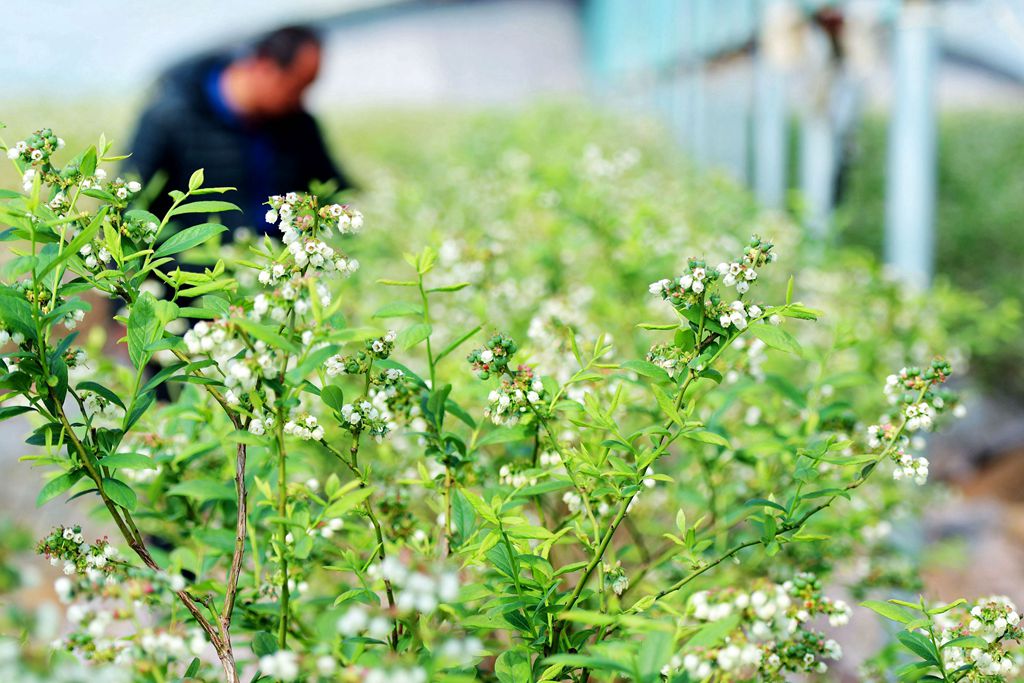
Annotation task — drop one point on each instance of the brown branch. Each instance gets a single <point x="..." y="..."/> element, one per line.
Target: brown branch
<point x="240" y="533"/>
<point x="131" y="534"/>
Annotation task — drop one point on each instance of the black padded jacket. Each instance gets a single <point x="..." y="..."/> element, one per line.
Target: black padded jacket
<point x="184" y="128"/>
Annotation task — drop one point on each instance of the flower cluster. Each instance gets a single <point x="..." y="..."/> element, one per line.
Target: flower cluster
<point x="165" y="645"/>
<point x="7" y="336"/>
<point x="690" y="287"/>
<point x="550" y="459"/>
<point x="100" y="589"/>
<point x="669" y="358"/>
<point x="36" y="148"/>
<point x="242" y="373"/>
<point x="519" y="390"/>
<point x="363" y="416"/>
<point x="260" y="424"/>
<point x="347" y="220"/>
<point x="93" y="640"/>
<point x="213" y="339"/>
<point x="360" y="362"/>
<point x="302" y="221"/>
<point x="292" y="294"/>
<point x="740" y="274"/>
<point x="772" y="637"/>
<point x="515" y="396"/>
<point x="750" y="362"/>
<point x="412" y="674"/>
<point x="909" y="467"/>
<point x="616" y="578"/>
<point x="282" y="665"/>
<point x="305" y="427"/>
<point x="94" y="255"/>
<point x="415" y="590"/>
<point x="573" y="501"/>
<point x="66" y="547"/>
<point x="917" y="399"/>
<point x="737" y="314"/>
<point x="994" y="622"/>
<point x="514" y="478"/>
<point x="357" y="621"/>
<point x="140" y="227"/>
<point x="461" y="651"/>
<point x="493" y="357"/>
<point x="101" y="411"/>
<point x="123" y="189"/>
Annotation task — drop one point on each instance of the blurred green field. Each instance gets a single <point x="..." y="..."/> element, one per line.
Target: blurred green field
<point x="445" y="177"/>
<point x="980" y="212"/>
<point x="550" y="223"/>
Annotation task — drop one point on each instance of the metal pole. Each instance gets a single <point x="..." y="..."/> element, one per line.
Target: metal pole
<point x="910" y="181"/>
<point x="770" y="126"/>
<point x="817" y="170"/>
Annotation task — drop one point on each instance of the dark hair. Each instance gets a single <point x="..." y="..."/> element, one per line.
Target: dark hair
<point x="283" y="44"/>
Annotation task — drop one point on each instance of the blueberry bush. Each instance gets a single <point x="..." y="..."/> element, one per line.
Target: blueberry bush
<point x="586" y="429"/>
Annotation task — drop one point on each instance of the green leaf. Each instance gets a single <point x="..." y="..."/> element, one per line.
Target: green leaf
<point x="482" y="508"/>
<point x="667" y="405"/>
<point x="120" y="493"/>
<point x="704" y="436"/>
<point x="399" y="309"/>
<point x="776" y="337"/>
<point x="143" y="328"/>
<point x="333" y="396"/>
<point x="129" y="461"/>
<point x="88" y="163"/>
<point x="10" y="411"/>
<point x="919" y="645"/>
<point x="193" y="668"/>
<point x="889" y="611"/>
<point x="263" y="644"/>
<point x="945" y="608"/>
<point x="513" y="666"/>
<point x="102" y="391"/>
<point x="348" y="502"/>
<point x="57" y="486"/>
<point x="576" y="661"/>
<point x="72" y="248"/>
<point x="209" y="206"/>
<point x="646" y="369"/>
<point x="764" y="502"/>
<point x="457" y="343"/>
<point x="966" y="642"/>
<point x="411" y="336"/>
<point x="681" y="520"/>
<point x="714" y="632"/>
<point x="504" y="435"/>
<point x="188" y="238"/>
<point x="450" y="288"/>
<point x="462" y="515"/>
<point x="202" y="490"/>
<point x="16" y="312"/>
<point x="196" y="181"/>
<point x="656" y="650"/>
<point x="265" y="333"/>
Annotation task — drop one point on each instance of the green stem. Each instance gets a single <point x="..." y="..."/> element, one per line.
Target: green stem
<point x="791" y="526"/>
<point x="352" y="463"/>
<point x="282" y="511"/>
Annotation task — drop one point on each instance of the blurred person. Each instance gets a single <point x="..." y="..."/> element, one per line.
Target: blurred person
<point x="237" y="114"/>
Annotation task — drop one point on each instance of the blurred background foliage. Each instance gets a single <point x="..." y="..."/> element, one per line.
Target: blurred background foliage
<point x="979" y="215"/>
